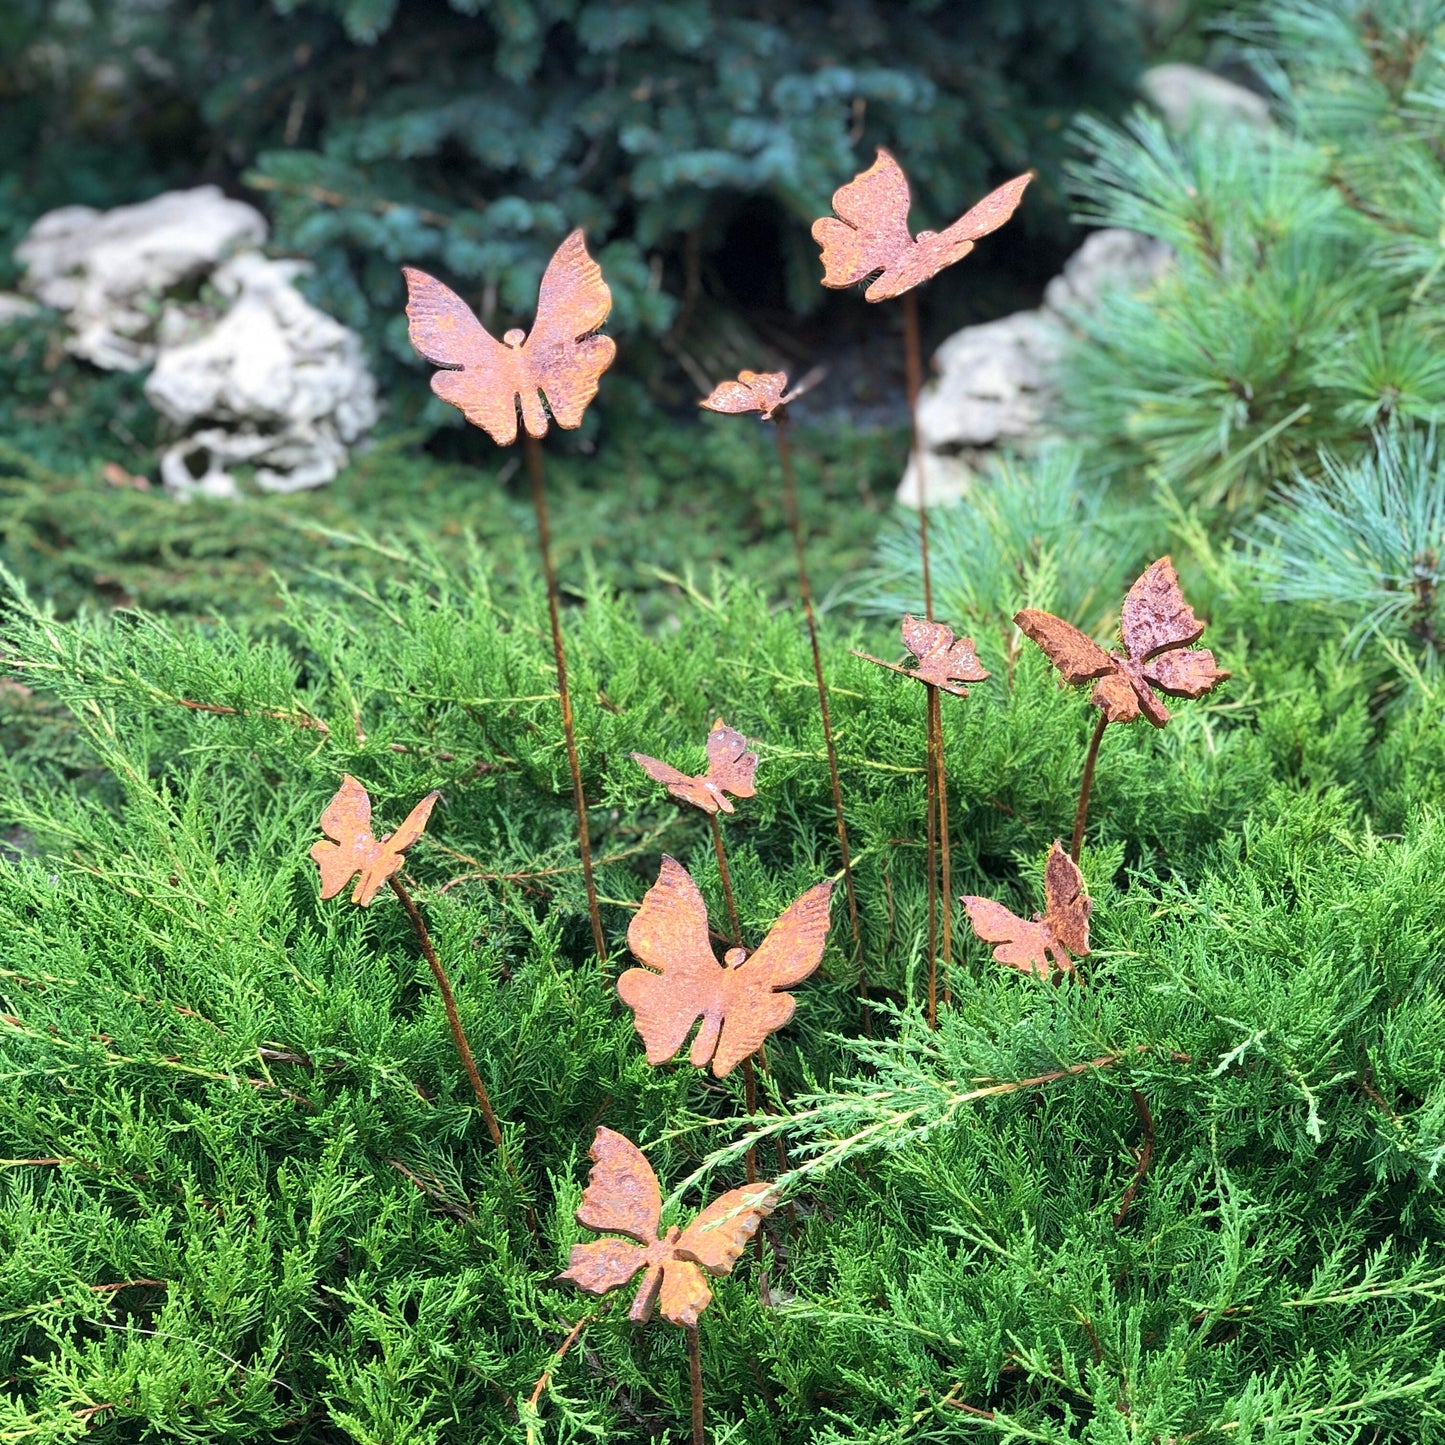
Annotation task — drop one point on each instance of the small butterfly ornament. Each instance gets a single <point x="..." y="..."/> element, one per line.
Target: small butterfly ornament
<point x="347" y="820"/>
<point x="622" y="1197"/>
<point x="760" y="391"/>
<point x="739" y="1002"/>
<point x="1051" y="940"/>
<point x="730" y="768"/>
<point x="870" y="233"/>
<point x="1157" y="627"/>
<point x="943" y="660"/>
<point x="559" y="362"/>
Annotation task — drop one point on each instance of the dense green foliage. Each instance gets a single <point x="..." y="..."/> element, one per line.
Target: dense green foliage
<point x="265" y="1206"/>
<point x="1307" y="304"/>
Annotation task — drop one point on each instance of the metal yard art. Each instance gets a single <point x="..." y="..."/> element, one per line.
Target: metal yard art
<point x="1158" y="628"/>
<point x="555" y="368"/>
<point x="623" y="1198"/>
<point x="1049" y="942"/>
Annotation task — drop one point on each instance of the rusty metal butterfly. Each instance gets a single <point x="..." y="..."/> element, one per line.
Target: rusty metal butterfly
<point x="622" y="1197"/>
<point x="730" y="768"/>
<point x="739" y="1003"/>
<point x="870" y="234"/>
<point x="560" y="361"/>
<point x="760" y="391"/>
<point x="1157" y="627"/>
<point x="347" y="820"/>
<point x="1061" y="930"/>
<point x="943" y="660"/>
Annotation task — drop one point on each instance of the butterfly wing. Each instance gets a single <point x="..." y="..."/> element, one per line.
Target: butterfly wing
<point x="933" y="252"/>
<point x="483" y="377"/>
<point x="347" y="820"/>
<point x="752" y="1006"/>
<point x="682" y="977"/>
<point x="622" y="1196"/>
<point x="730" y="766"/>
<point x="752" y="391"/>
<point x="681" y="785"/>
<point x="1190" y="673"/>
<point x="1066" y="905"/>
<point x="943" y="660"/>
<point x="1122" y="701"/>
<point x="603" y="1264"/>
<point x="386" y="854"/>
<point x="565" y="359"/>
<point x="1077" y="657"/>
<point x="1020" y="944"/>
<point x="414" y="824"/>
<point x="721" y="1232"/>
<point x="871" y="229"/>
<point x="1155" y="616"/>
<point x="684" y="1294"/>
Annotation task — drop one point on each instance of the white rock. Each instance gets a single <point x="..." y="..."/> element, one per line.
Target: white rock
<point x="1186" y="94"/>
<point x="274" y="383"/>
<point x="1108" y="258"/>
<point x="109" y="271"/>
<point x="15" y="308"/>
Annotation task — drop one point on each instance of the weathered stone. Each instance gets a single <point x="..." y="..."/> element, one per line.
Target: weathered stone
<point x="15" y="308"/>
<point x="110" y="271"/>
<point x="1186" y="94"/>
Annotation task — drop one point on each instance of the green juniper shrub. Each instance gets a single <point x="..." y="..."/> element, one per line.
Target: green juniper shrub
<point x="244" y="1192"/>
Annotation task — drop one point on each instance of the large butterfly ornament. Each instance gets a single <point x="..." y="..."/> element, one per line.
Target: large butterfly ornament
<point x="1157" y="627"/>
<point x="347" y="820"/>
<point x="622" y="1197"/>
<point x="739" y="1002"/>
<point x="1060" y="931"/>
<point x="730" y="768"/>
<point x="559" y="361"/>
<point x="870" y="234"/>
<point x="943" y="660"/>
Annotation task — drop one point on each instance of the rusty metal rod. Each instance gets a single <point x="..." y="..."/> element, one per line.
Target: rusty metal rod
<point x="694" y="1369"/>
<point x="913" y="371"/>
<point x="945" y="891"/>
<point x="1081" y="814"/>
<point x="805" y="590"/>
<point x="533" y="449"/>
<point x="727" y="881"/>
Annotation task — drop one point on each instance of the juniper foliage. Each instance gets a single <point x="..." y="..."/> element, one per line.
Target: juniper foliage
<point x="243" y="1192"/>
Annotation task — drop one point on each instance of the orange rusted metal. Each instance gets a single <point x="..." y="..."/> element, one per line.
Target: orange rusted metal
<point x="730" y="768"/>
<point x="560" y="360"/>
<point x="622" y="1197"/>
<point x="347" y="819"/>
<point x="760" y="391"/>
<point x="739" y="1003"/>
<point x="870" y="235"/>
<point x="943" y="660"/>
<point x="1157" y="626"/>
<point x="1041" y="946"/>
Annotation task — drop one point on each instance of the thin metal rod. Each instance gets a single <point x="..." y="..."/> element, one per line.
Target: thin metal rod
<point x="805" y="591"/>
<point x="913" y="371"/>
<point x="533" y="449"/>
<point x="727" y="882"/>
<point x="450" y="1004"/>
<point x="1081" y="816"/>
<point x="945" y="891"/>
<point x="931" y="772"/>
<point x="694" y="1369"/>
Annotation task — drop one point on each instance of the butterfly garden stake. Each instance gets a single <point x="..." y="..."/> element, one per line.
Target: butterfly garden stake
<point x="766" y="392"/>
<point x="867" y="239"/>
<point x="1158" y="629"/>
<point x="559" y="363"/>
<point x="622" y="1198"/>
<point x="354" y="850"/>
<point x="1050" y="941"/>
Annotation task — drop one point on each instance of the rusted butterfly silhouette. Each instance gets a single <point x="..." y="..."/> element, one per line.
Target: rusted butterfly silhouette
<point x="760" y="391"/>
<point x="1060" y="930"/>
<point x="622" y="1197"/>
<point x="730" y="768"/>
<point x="739" y="1002"/>
<point x="871" y="235"/>
<point x="559" y="359"/>
<point x="943" y="660"/>
<point x="347" y="819"/>
<point x="1157" y="626"/>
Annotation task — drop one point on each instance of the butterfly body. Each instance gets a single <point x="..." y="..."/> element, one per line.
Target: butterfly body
<point x="560" y="360"/>
<point x="869" y="235"/>
<point x="623" y="1197"/>
<point x="1049" y="941"/>
<point x="737" y="1003"/>
<point x="354" y="850"/>
<point x="1158" y="629"/>
<point x="731" y="768"/>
